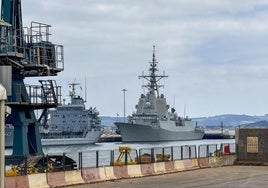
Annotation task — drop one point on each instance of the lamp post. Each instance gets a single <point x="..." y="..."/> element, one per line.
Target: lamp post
<point x="124" y="92"/>
<point x="3" y="97"/>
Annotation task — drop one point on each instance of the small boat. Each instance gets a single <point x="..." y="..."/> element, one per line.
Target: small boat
<point x="113" y="137"/>
<point x="152" y="121"/>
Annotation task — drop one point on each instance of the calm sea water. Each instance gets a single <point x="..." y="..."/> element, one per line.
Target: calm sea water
<point x="115" y="145"/>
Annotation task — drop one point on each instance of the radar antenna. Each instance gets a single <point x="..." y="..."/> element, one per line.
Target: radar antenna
<point x="152" y="77"/>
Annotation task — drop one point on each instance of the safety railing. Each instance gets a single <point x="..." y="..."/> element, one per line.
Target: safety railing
<point x="101" y="158"/>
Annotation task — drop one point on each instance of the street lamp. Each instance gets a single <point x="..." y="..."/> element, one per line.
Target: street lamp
<point x="3" y="97"/>
<point x="124" y="92"/>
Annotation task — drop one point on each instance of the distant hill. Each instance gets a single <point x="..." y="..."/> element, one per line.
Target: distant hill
<point x="259" y="124"/>
<point x="109" y="121"/>
<point x="228" y="120"/>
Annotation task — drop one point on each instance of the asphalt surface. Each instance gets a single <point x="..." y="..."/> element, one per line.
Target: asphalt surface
<point x="228" y="176"/>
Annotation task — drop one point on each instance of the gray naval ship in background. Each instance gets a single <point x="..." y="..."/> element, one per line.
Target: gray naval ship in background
<point x="152" y="120"/>
<point x="69" y="124"/>
<point x="72" y="123"/>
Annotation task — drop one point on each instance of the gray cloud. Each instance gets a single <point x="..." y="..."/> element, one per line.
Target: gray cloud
<point x="213" y="51"/>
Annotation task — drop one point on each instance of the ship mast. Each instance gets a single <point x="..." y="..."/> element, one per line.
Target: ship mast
<point x="153" y="78"/>
<point x="72" y="89"/>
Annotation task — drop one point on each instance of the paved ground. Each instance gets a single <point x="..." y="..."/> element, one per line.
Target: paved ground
<point x="229" y="176"/>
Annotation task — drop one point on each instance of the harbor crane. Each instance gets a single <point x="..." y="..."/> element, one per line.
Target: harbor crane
<point x="27" y="52"/>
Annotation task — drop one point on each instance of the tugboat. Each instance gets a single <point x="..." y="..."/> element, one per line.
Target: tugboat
<point x="152" y="120"/>
<point x="72" y="123"/>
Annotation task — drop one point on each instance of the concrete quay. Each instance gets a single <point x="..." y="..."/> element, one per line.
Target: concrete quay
<point x="92" y="176"/>
<point x="226" y="176"/>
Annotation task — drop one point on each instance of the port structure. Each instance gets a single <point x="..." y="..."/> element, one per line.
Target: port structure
<point x="28" y="52"/>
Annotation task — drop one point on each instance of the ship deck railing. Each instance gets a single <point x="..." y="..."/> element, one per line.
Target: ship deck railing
<point x="59" y="135"/>
<point x="144" y="116"/>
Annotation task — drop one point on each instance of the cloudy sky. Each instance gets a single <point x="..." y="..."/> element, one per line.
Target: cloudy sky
<point x="215" y="52"/>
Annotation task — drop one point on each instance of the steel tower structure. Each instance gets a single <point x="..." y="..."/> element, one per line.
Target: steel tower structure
<point x="28" y="53"/>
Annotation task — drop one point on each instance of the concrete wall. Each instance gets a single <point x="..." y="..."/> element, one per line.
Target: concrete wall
<point x="93" y="175"/>
<point x="252" y="145"/>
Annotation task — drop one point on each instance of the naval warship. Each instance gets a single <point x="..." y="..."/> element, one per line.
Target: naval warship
<point x="69" y="124"/>
<point x="152" y="120"/>
<point x="72" y="123"/>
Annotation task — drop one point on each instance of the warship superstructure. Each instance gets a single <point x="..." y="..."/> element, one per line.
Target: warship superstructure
<point x="152" y="120"/>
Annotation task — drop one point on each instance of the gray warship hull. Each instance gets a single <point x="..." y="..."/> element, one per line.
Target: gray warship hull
<point x="91" y="138"/>
<point x="143" y="133"/>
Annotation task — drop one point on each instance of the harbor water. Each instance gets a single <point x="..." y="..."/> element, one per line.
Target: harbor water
<point x="115" y="145"/>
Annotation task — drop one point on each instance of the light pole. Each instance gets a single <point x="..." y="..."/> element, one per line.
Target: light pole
<point x="3" y="97"/>
<point x="124" y="92"/>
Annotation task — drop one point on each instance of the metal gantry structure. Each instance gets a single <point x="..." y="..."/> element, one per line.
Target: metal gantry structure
<point x="28" y="52"/>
